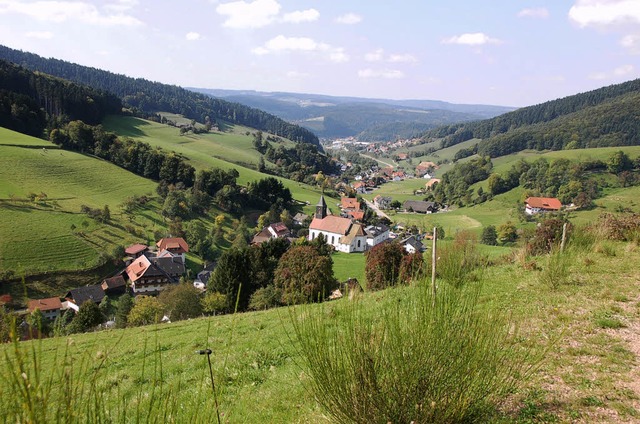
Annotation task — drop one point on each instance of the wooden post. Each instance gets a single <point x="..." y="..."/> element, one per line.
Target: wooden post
<point x="564" y="237"/>
<point x="434" y="258"/>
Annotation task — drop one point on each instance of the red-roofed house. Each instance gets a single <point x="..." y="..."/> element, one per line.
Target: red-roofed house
<point x="349" y="203"/>
<point x="49" y="307"/>
<point x="433" y="181"/>
<point x="136" y="250"/>
<point x="277" y="230"/>
<point x="175" y="245"/>
<point x="357" y="215"/>
<point x="534" y="205"/>
<point x="339" y="232"/>
<point x="154" y="274"/>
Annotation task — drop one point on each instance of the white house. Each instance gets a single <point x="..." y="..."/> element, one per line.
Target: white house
<point x="376" y="234"/>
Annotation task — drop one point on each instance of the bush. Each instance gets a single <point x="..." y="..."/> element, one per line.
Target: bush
<point x="547" y="236"/>
<point x="383" y="265"/>
<point x="147" y="310"/>
<point x="214" y="303"/>
<point x="460" y="261"/>
<point x="265" y="298"/>
<point x="403" y="364"/>
<point x="556" y="271"/>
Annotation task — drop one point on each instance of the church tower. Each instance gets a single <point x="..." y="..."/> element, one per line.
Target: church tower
<point x="321" y="209"/>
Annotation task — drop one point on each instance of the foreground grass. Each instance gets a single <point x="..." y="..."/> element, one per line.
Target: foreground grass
<point x="590" y="373"/>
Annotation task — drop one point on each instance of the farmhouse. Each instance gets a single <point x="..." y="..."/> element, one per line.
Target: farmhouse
<point x="419" y="206"/>
<point x="376" y="234"/>
<point x="412" y="245"/>
<point x="175" y="245"/>
<point x="382" y="202"/>
<point x="271" y="231"/>
<point x="429" y="185"/>
<point x="49" y="307"/>
<point x="114" y="286"/>
<point x="136" y="250"/>
<point x="300" y="218"/>
<point x="76" y="297"/>
<point x="152" y="275"/>
<point x="339" y="232"/>
<point x="534" y="205"/>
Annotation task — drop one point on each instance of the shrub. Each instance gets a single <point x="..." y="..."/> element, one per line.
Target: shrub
<point x="548" y="235"/>
<point x="181" y="301"/>
<point x="265" y="298"/>
<point x="383" y="265"/>
<point x="403" y="364"/>
<point x="214" y="303"/>
<point x="556" y="271"/>
<point x="460" y="261"/>
<point x="147" y="310"/>
<point x="304" y="275"/>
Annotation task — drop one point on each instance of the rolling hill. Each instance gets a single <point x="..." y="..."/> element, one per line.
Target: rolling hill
<point x="368" y="119"/>
<point x="609" y="116"/>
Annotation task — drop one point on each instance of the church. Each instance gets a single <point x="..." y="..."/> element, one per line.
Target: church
<point x="341" y="233"/>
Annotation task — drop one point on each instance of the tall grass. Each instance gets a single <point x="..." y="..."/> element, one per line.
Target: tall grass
<point x="415" y="359"/>
<point x="460" y="262"/>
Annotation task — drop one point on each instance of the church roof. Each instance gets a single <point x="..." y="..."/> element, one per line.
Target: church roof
<point x="331" y="224"/>
<point x="321" y="202"/>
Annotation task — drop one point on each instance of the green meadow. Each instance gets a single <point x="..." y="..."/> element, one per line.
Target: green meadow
<point x="587" y="324"/>
<point x="229" y="149"/>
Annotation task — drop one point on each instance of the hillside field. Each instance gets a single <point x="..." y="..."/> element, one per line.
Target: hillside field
<point x="590" y="323"/>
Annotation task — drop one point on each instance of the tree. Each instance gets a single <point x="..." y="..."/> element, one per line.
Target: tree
<point x="507" y="233"/>
<point x="232" y="277"/>
<point x="618" y="162"/>
<point x="213" y="303"/>
<point x="265" y="298"/>
<point x="125" y="303"/>
<point x="37" y="322"/>
<point x="411" y="267"/>
<point x="181" y="301"/>
<point x="88" y="317"/>
<point x="489" y="235"/>
<point x="147" y="310"/>
<point x="106" y="307"/>
<point x="304" y="275"/>
<point x="383" y="265"/>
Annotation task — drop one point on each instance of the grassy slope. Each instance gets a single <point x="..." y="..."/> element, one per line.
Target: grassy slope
<point x="589" y="375"/>
<point x="224" y="150"/>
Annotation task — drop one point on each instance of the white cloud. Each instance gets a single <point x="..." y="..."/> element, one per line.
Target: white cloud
<point x="537" y="13"/>
<point x="605" y="12"/>
<point x="402" y="58"/>
<point x="631" y="42"/>
<point x="374" y="56"/>
<point x="63" y="11"/>
<point x="256" y="14"/>
<point x="299" y="16"/>
<point x="296" y="74"/>
<point x="471" y="39"/>
<point x="121" y="5"/>
<point x="40" y="35"/>
<point x="349" y="19"/>
<point x="620" y="72"/>
<point x="193" y="36"/>
<point x="380" y="73"/>
<point x="282" y="44"/>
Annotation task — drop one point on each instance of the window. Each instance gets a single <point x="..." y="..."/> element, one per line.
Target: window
<point x="358" y="243"/>
<point x="332" y="239"/>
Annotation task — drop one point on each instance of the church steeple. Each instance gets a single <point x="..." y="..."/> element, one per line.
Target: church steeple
<point x="321" y="208"/>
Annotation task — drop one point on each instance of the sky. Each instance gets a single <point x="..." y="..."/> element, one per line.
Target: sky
<point x="501" y="52"/>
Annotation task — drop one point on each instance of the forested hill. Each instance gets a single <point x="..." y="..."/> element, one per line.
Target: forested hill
<point x="609" y="116"/>
<point x="29" y="101"/>
<point x="152" y="97"/>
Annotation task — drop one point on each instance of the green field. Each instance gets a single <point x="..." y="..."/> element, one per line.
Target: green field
<point x="349" y="265"/>
<point x="226" y="150"/>
<point x="589" y="373"/>
<point x="38" y="236"/>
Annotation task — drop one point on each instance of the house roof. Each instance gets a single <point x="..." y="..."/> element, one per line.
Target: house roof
<point x="331" y="224"/>
<point x="321" y="202"/>
<point x="261" y="237"/>
<point x="137" y="268"/>
<point x="84" y="294"/>
<point x="300" y="217"/>
<point x="418" y="205"/>
<point x="173" y="243"/>
<point x="357" y="215"/>
<point x="544" y="203"/>
<point x="134" y="249"/>
<point x="48" y="304"/>
<point x="355" y="231"/>
<point x="431" y="182"/>
<point x="113" y="282"/>
<point x="412" y="241"/>
<point x="280" y="229"/>
<point x="172" y="267"/>
<point x="349" y="203"/>
<point x="375" y="230"/>
<point x="425" y="165"/>
<point x="358" y="184"/>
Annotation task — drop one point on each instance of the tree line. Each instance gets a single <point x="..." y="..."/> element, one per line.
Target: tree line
<point x="147" y="97"/>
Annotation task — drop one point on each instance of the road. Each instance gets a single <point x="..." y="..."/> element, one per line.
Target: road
<point x="376" y="210"/>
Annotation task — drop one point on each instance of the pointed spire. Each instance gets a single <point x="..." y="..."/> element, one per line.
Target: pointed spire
<point x="321" y="208"/>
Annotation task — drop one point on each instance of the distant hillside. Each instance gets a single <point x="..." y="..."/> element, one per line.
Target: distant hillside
<point x="609" y="116"/>
<point x="368" y="119"/>
<point x="30" y="101"/>
<point x="152" y="97"/>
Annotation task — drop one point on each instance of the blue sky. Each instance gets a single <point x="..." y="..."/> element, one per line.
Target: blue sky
<point x="506" y="52"/>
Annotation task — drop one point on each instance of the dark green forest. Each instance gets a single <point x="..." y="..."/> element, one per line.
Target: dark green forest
<point x="608" y="116"/>
<point x="147" y="98"/>
<point x="31" y="102"/>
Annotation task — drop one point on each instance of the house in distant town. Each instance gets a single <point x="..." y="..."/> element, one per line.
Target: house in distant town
<point x="419" y="206"/>
<point x="430" y="185"/>
<point x="412" y="245"/>
<point x="382" y="202"/>
<point x="151" y="275"/>
<point x="203" y="277"/>
<point x="351" y="208"/>
<point x="175" y="245"/>
<point x="341" y="233"/>
<point x="376" y="234"/>
<point x="78" y="296"/>
<point x="534" y="205"/>
<point x="360" y="187"/>
<point x="300" y="218"/>
<point x="425" y="167"/>
<point x="50" y="307"/>
<point x="136" y="250"/>
<point x="271" y="231"/>
<point x="114" y="286"/>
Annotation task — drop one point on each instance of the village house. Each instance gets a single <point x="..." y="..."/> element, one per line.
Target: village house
<point x="78" y="296"/>
<point x="341" y="233"/>
<point x="50" y="307"/>
<point x="175" y="245"/>
<point x="382" y="202"/>
<point x="430" y="185"/>
<point x="300" y="218"/>
<point x="136" y="250"/>
<point x="425" y="167"/>
<point x="534" y="205"/>
<point x="114" y="286"/>
<point x="412" y="245"/>
<point x="419" y="206"/>
<point x="271" y="231"/>
<point x="376" y="234"/>
<point x="151" y="275"/>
